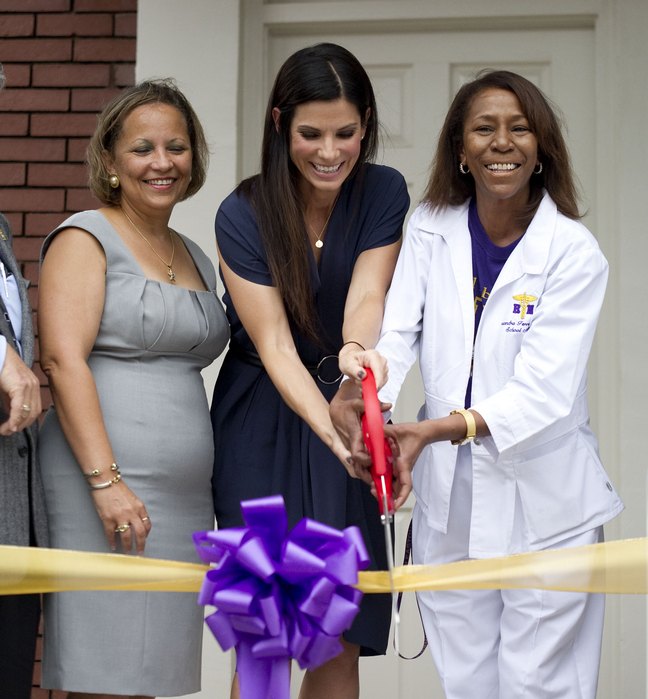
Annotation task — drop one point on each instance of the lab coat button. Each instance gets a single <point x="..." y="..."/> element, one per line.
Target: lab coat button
<point x="608" y="485"/>
<point x="477" y="442"/>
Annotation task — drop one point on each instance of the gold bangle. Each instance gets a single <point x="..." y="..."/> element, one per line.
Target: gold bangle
<point x="107" y="484"/>
<point x="471" y="426"/>
<point x="97" y="472"/>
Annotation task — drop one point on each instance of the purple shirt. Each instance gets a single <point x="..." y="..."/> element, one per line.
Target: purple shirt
<point x="488" y="260"/>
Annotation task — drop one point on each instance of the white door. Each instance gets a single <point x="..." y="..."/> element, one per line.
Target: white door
<point x="415" y="76"/>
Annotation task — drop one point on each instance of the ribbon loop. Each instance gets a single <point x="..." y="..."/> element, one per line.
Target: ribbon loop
<point x="279" y="593"/>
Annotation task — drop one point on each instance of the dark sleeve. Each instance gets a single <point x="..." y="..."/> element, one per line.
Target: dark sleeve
<point x="5" y="230"/>
<point x="239" y="240"/>
<point x="385" y="203"/>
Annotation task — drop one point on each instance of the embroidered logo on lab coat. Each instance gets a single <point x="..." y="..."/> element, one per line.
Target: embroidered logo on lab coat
<point x="524" y="304"/>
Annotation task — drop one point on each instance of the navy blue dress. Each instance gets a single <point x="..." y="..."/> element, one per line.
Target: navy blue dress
<point x="264" y="448"/>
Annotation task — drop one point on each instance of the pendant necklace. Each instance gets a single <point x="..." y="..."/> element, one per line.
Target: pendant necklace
<point x="319" y="243"/>
<point x="168" y="265"/>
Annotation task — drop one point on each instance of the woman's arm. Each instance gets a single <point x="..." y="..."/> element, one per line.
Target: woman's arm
<point x="261" y="310"/>
<point x="408" y="439"/>
<point x="363" y="313"/>
<point x="72" y="290"/>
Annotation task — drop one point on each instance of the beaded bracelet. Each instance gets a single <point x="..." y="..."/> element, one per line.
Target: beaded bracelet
<point x="97" y="472"/>
<point x="107" y="484"/>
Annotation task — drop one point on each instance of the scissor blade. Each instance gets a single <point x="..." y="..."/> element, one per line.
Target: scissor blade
<point x="387" y="518"/>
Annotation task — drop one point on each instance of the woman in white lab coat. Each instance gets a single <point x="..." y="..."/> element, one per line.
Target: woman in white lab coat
<point x="497" y="292"/>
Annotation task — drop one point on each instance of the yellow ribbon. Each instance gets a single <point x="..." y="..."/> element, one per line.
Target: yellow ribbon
<point x="617" y="567"/>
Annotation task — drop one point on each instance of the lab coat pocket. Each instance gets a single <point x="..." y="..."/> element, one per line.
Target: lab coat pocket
<point x="563" y="487"/>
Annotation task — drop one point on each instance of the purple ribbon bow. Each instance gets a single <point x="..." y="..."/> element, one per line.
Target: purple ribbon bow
<point x="279" y="594"/>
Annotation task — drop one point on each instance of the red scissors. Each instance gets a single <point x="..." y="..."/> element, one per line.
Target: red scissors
<point x="382" y="474"/>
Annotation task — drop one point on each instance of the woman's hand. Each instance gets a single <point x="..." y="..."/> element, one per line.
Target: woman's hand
<point x="117" y="506"/>
<point x="407" y="441"/>
<point x="353" y="359"/>
<point x="402" y="478"/>
<point x="20" y="389"/>
<point x="353" y="467"/>
<point x="346" y="410"/>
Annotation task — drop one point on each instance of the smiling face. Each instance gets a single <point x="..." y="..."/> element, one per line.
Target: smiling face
<point x="499" y="148"/>
<point x="325" y="144"/>
<point x="152" y="158"/>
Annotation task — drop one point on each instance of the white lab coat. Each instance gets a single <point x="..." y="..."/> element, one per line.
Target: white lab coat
<point x="529" y="374"/>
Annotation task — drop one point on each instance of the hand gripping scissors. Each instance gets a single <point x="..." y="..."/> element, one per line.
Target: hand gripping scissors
<point x="382" y="475"/>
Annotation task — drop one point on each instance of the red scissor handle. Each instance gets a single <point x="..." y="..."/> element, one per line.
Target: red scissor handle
<point x="377" y="445"/>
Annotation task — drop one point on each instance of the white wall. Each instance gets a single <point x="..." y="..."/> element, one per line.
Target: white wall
<point x="197" y="43"/>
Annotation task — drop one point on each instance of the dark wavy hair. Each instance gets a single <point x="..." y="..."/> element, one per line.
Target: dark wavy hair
<point x="324" y="72"/>
<point x="448" y="187"/>
<point x="111" y="121"/>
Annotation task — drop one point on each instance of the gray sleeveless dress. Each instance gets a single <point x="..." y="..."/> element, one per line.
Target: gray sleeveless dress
<point x="153" y="340"/>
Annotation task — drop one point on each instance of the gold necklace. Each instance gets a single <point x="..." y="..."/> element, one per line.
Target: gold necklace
<point x="168" y="265"/>
<point x="319" y="243"/>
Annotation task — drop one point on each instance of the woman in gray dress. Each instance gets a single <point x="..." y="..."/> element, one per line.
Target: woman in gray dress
<point x="128" y="318"/>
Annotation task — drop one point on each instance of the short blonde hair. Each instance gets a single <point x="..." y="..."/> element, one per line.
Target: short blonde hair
<point x="109" y="127"/>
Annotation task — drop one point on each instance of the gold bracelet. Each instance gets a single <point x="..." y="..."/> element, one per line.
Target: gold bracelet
<point x="97" y="472"/>
<point x="107" y="484"/>
<point x="471" y="426"/>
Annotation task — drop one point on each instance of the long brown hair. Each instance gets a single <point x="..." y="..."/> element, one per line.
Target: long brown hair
<point x="448" y="187"/>
<point x="324" y="72"/>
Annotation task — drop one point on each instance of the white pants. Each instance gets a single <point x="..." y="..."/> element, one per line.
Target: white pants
<point x="506" y="644"/>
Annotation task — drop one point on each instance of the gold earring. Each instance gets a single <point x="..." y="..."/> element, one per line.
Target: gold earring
<point x="113" y="181"/>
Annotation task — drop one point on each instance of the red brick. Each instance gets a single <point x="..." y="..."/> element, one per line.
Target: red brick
<point x="46" y="400"/>
<point x="70" y="75"/>
<point x="15" y="222"/>
<point x="57" y="175"/>
<point x="126" y="24"/>
<point x="31" y="200"/>
<point x="12" y="174"/>
<point x="37" y="692"/>
<point x="76" y="151"/>
<point x="74" y="25"/>
<point x="30" y="149"/>
<point x="39" y="225"/>
<point x="32" y="295"/>
<point x="108" y="50"/>
<point x="17" y="74"/>
<point x="36" y="677"/>
<point x="30" y="271"/>
<point x="14" y="124"/>
<point x="124" y="74"/>
<point x="27" y="249"/>
<point x="63" y="125"/>
<point x="31" y="50"/>
<point x="92" y="100"/>
<point x="105" y="5"/>
<point x="80" y="200"/>
<point x="16" y="25"/>
<point x="36" y="5"/>
<point x="32" y="100"/>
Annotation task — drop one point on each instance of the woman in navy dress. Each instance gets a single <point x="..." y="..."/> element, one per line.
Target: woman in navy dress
<point x="307" y="249"/>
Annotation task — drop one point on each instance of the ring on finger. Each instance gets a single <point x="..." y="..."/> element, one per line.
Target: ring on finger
<point x="26" y="408"/>
<point x="145" y="519"/>
<point x="121" y="528"/>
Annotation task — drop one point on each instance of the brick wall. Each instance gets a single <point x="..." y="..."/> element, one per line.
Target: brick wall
<point x="63" y="60"/>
